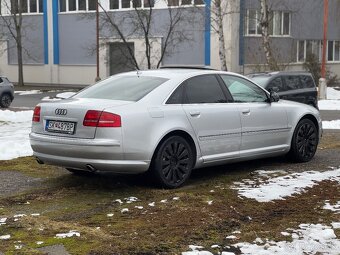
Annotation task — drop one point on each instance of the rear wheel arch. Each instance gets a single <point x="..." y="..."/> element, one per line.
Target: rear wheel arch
<point x="10" y="97"/>
<point x="182" y="134"/>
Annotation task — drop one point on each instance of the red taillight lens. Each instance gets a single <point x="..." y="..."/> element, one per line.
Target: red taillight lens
<point x="101" y="119"/>
<point x="36" y="114"/>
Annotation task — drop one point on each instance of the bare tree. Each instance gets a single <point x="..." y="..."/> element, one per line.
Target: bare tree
<point x="264" y="23"/>
<point x="142" y="21"/>
<point x="13" y="23"/>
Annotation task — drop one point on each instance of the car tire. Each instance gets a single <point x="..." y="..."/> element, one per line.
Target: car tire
<point x="304" y="142"/>
<point x="5" y="100"/>
<point x="173" y="162"/>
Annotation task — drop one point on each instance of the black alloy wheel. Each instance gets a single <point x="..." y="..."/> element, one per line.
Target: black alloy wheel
<point x="5" y="100"/>
<point x="305" y="141"/>
<point x="173" y="162"/>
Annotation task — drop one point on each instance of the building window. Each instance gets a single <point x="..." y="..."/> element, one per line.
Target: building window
<point x="279" y="23"/>
<point x="307" y="48"/>
<point x="27" y="6"/>
<point x="333" y="50"/>
<point x="77" y="5"/>
<point x="114" y="4"/>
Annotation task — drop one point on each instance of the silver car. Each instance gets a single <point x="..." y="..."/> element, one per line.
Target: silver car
<point x="170" y="121"/>
<point x="6" y="92"/>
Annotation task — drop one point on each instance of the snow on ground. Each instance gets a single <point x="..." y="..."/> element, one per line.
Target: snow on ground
<point x="333" y="124"/>
<point x="332" y="102"/>
<point x="334" y="208"/>
<point x="307" y="239"/>
<point x="27" y="92"/>
<point x="264" y="190"/>
<point x="15" y="128"/>
<point x="333" y="93"/>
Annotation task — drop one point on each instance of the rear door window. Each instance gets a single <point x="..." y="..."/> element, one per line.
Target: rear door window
<point x="292" y="82"/>
<point x="307" y="81"/>
<point x="204" y="89"/>
<point x="276" y="85"/>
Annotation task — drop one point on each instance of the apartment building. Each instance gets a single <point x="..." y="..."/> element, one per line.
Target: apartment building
<point x="59" y="37"/>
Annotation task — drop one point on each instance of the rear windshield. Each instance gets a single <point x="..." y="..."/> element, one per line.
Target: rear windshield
<point x="260" y="80"/>
<point x="125" y="88"/>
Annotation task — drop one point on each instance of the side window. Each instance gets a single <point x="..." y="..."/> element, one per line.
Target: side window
<point x="276" y="85"/>
<point x="177" y="96"/>
<point x="243" y="90"/>
<point x="292" y="82"/>
<point x="307" y="81"/>
<point x="204" y="89"/>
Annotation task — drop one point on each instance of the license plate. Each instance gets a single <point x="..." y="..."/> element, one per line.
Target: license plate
<point x="65" y="127"/>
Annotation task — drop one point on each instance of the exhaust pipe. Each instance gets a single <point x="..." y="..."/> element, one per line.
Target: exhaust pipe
<point x="91" y="168"/>
<point x="39" y="161"/>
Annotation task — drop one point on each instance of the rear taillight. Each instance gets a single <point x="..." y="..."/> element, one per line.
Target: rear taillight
<point x="36" y="114"/>
<point x="101" y="119"/>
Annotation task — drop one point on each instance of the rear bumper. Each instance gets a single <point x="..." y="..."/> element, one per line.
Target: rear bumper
<point x="101" y="154"/>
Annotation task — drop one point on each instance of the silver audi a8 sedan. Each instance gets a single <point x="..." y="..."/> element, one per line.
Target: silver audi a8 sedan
<point x="170" y="121"/>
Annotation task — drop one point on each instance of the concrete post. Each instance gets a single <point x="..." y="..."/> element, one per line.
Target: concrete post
<point x="322" y="88"/>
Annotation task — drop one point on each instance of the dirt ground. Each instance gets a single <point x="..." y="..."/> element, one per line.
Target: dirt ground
<point x="126" y="215"/>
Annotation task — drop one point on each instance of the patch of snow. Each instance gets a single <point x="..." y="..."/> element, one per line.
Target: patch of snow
<point x="119" y="201"/>
<point x="28" y="92"/>
<point x="35" y="214"/>
<point x="215" y="246"/>
<point x="39" y="242"/>
<point x="227" y="253"/>
<point x="152" y="204"/>
<point x="3" y="220"/>
<point x="283" y="186"/>
<point x="109" y="215"/>
<point x="14" y="130"/>
<point x="212" y="191"/>
<point x="175" y="198"/>
<point x="332" y="124"/>
<point x="164" y="201"/>
<point x="139" y="207"/>
<point x="65" y="94"/>
<point x="195" y="247"/>
<point x="50" y="99"/>
<point x="334" y="208"/>
<point x="18" y="246"/>
<point x="333" y="93"/>
<point x="231" y="237"/>
<point x="197" y="253"/>
<point x="5" y="237"/>
<point x="69" y="234"/>
<point x="311" y="239"/>
<point x="130" y="200"/>
<point x="19" y="215"/>
<point x="329" y="105"/>
<point x="124" y="210"/>
<point x="335" y="225"/>
<point x="210" y="202"/>
<point x="236" y="232"/>
<point x="258" y="240"/>
<point x="285" y="234"/>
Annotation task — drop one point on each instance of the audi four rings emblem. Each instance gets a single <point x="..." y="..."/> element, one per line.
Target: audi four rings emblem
<point x="60" y="111"/>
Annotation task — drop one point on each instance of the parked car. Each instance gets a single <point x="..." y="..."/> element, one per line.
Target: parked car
<point x="295" y="86"/>
<point x="6" y="92"/>
<point x="170" y="121"/>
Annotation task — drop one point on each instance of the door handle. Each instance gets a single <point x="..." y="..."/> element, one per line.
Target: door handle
<point x="195" y="113"/>
<point x="246" y="111"/>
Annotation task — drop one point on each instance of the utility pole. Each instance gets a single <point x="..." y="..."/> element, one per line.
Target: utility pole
<point x="322" y="81"/>
<point x="97" y="40"/>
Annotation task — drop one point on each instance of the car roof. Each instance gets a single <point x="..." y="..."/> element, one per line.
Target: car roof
<point x="273" y="74"/>
<point x="171" y="73"/>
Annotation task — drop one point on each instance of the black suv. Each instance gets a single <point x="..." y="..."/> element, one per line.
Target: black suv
<point x="294" y="86"/>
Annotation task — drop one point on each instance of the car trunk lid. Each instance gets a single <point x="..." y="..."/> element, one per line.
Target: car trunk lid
<point x="65" y="118"/>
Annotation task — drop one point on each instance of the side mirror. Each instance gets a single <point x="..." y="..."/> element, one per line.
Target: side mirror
<point x="274" y="97"/>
